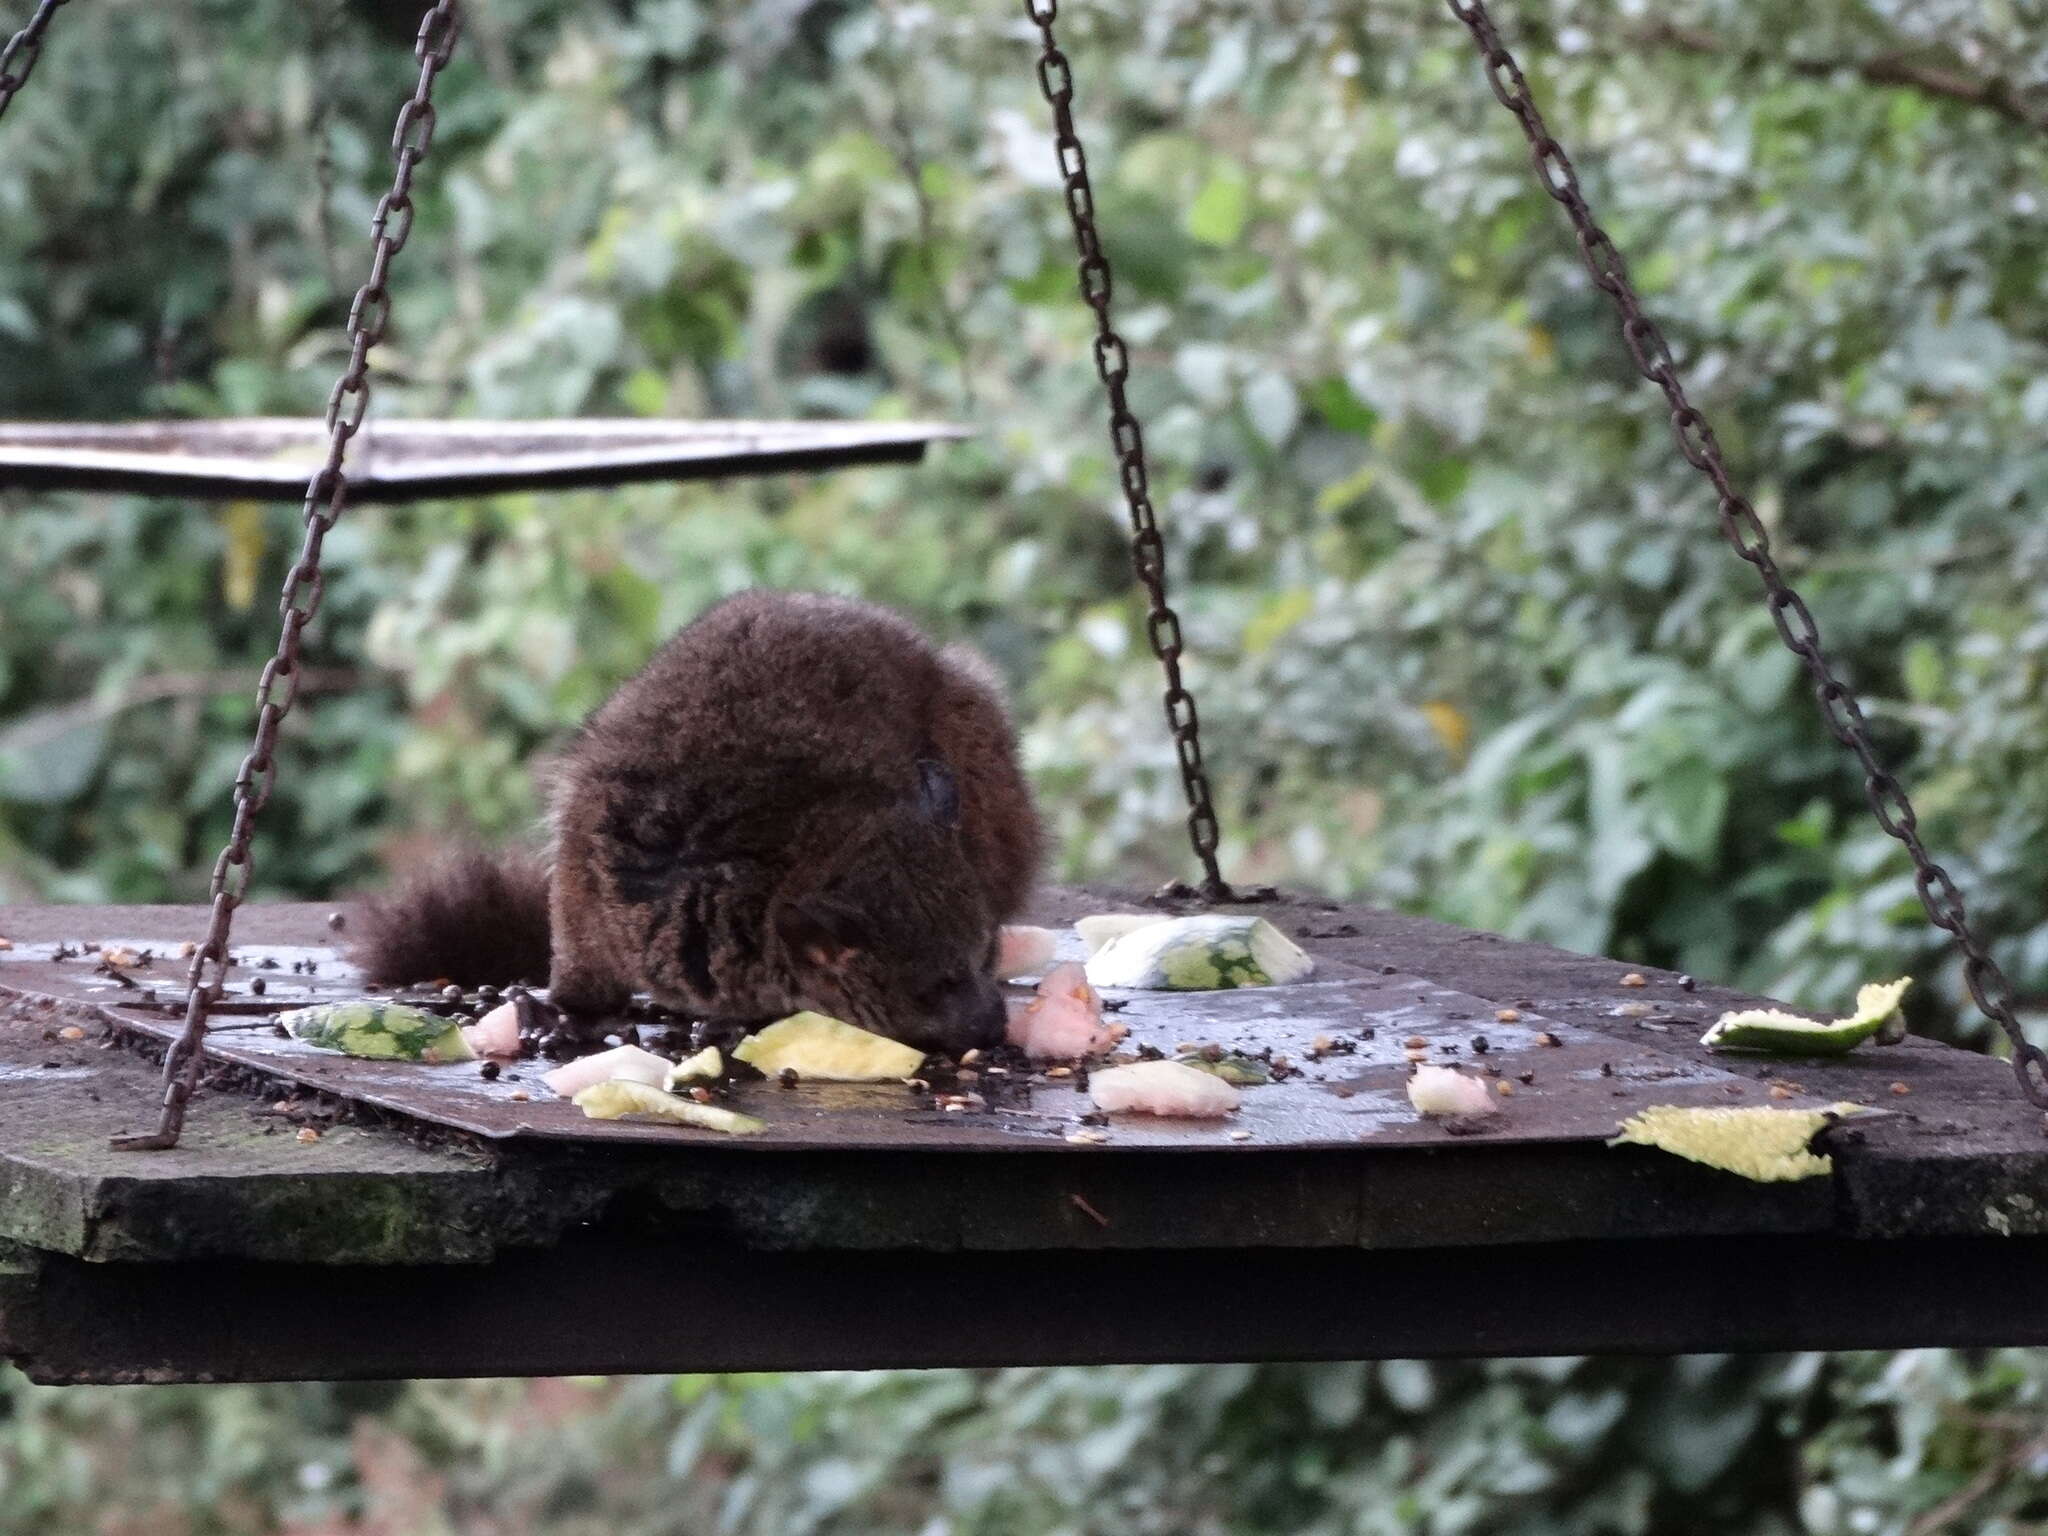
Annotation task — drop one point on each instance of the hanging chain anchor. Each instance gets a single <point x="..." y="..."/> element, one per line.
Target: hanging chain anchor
<point x="326" y="495"/>
<point x="1113" y="367"/>
<point x="18" y="58"/>
<point x="1740" y="525"/>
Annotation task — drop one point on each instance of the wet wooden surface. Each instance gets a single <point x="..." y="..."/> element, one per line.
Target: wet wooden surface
<point x="1340" y="1191"/>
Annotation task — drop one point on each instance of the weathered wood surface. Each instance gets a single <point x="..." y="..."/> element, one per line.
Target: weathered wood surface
<point x="272" y="458"/>
<point x="897" y="1230"/>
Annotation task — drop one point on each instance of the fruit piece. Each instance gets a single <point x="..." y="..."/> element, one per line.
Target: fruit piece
<point x="1767" y="1145"/>
<point x="1024" y="951"/>
<point x="1099" y="930"/>
<point x="706" y="1063"/>
<point x="1064" y="1021"/>
<point x="1237" y="1069"/>
<point x="386" y="1031"/>
<point x="623" y="1099"/>
<point x="496" y="1033"/>
<point x="625" y="1063"/>
<point x="1162" y="1088"/>
<point x="1200" y="954"/>
<point x="1787" y="1034"/>
<point x="815" y="1046"/>
<point x="1445" y="1091"/>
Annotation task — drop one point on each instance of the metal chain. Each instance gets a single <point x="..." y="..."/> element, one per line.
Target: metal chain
<point x="1113" y="366"/>
<point x="1743" y="529"/>
<point x="326" y="495"/>
<point x="18" y="58"/>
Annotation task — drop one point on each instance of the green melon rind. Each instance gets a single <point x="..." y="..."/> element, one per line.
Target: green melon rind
<point x="1777" y="1033"/>
<point x="1200" y="954"/>
<point x="380" y="1031"/>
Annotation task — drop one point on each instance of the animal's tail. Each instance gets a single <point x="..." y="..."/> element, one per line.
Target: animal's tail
<point x="473" y="918"/>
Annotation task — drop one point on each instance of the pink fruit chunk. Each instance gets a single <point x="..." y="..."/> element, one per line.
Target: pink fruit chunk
<point x="1023" y="951"/>
<point x="627" y="1062"/>
<point x="1064" y="1021"/>
<point x="496" y="1033"/>
<point x="1162" y="1088"/>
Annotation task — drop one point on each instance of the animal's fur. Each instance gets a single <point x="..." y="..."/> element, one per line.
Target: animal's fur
<point x="800" y="802"/>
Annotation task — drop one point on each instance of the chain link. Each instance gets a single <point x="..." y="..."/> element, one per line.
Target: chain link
<point x="1113" y="367"/>
<point x="1745" y="532"/>
<point x="18" y="58"/>
<point x="326" y="495"/>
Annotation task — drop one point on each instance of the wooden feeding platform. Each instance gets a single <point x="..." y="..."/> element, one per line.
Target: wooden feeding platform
<point x="445" y="1224"/>
<point x="264" y="459"/>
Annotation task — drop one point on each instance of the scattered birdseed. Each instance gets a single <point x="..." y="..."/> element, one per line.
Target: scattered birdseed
<point x="1059" y="1071"/>
<point x="1547" y="1038"/>
<point x="1686" y="984"/>
<point x="1901" y="1088"/>
<point x="1090" y="1138"/>
<point x="1504" y="1088"/>
<point x="6" y="943"/>
<point x="970" y="1057"/>
<point x="1415" y="1043"/>
<point x="1507" y="1016"/>
<point x="1781" y="1091"/>
<point x="70" y="1032"/>
<point x="1525" y="1078"/>
<point x="187" y="950"/>
<point x="337" y="921"/>
<point x="1247" y="1135"/>
<point x="1632" y="1010"/>
<point x="1635" y="979"/>
<point x="520" y="1096"/>
<point x="308" y="1135"/>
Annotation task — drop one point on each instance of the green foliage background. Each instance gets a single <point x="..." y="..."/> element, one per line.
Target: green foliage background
<point x="1466" y="639"/>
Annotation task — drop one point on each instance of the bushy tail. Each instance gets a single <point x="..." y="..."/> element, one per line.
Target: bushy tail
<point x="473" y="918"/>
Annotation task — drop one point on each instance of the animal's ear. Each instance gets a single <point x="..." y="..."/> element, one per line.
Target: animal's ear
<point x="820" y="932"/>
<point x="938" y="793"/>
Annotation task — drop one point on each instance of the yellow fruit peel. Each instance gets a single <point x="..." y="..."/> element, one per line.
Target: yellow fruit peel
<point x="827" y="1050"/>
<point x="1767" y="1145"/>
<point x="622" y="1099"/>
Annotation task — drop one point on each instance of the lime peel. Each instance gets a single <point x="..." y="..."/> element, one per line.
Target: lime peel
<point x="622" y="1099"/>
<point x="1767" y="1145"/>
<point x="1779" y="1033"/>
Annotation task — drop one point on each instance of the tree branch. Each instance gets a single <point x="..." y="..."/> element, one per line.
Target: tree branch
<point x="2024" y="105"/>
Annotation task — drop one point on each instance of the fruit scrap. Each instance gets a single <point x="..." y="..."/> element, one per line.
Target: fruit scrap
<point x="386" y="1031"/>
<point x="625" y="1063"/>
<point x="1099" y="930"/>
<point x="1447" y="1093"/>
<point x="1767" y="1145"/>
<point x="1063" y="1022"/>
<point x="815" y="1046"/>
<point x="705" y="1064"/>
<point x="621" y="1099"/>
<point x="1780" y="1033"/>
<point x="1200" y="954"/>
<point x="1023" y="951"/>
<point x="496" y="1033"/>
<point x="1162" y="1088"/>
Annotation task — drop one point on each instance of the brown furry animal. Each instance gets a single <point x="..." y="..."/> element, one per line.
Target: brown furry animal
<point x="800" y="802"/>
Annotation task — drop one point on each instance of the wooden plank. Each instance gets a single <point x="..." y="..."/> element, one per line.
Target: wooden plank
<point x="400" y="461"/>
